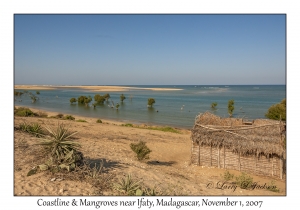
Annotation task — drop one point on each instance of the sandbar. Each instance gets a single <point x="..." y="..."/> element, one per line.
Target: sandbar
<point x="103" y="88"/>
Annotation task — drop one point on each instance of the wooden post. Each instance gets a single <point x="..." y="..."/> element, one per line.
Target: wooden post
<point x="281" y="167"/>
<point x="280" y="140"/>
<point x="256" y="158"/>
<point x="224" y="155"/>
<point x="272" y="165"/>
<point x="239" y="160"/>
<point x="210" y="154"/>
<point x="199" y="154"/>
<point x="218" y="156"/>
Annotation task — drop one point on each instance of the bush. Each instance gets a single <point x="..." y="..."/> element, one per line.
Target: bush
<point x="17" y="93"/>
<point x="41" y="114"/>
<point x="84" y="100"/>
<point x="59" y="116"/>
<point x="69" y="117"/>
<point x="100" y="99"/>
<point x="214" y="105"/>
<point x="244" y="181"/>
<point x="122" y="97"/>
<point x="227" y="176"/>
<point x="24" y="112"/>
<point x="141" y="150"/>
<point x="272" y="187"/>
<point x="151" y="101"/>
<point x="277" y="111"/>
<point x="33" y="128"/>
<point x="80" y="99"/>
<point x="73" y="100"/>
<point x="106" y="96"/>
<point x="99" y="121"/>
<point x="80" y="120"/>
<point x="165" y="129"/>
<point x="127" y="125"/>
<point x="230" y="107"/>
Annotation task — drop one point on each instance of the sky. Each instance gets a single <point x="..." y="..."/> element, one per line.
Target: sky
<point x="184" y="49"/>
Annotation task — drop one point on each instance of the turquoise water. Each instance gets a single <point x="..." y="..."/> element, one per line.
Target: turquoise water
<point x="173" y="108"/>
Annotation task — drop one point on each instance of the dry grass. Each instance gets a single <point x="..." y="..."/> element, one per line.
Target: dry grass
<point x="167" y="172"/>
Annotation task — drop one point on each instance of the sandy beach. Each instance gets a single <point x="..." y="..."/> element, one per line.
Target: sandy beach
<point x="168" y="167"/>
<point x="91" y="88"/>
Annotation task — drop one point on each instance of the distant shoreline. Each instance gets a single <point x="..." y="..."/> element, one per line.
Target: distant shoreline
<point x="91" y="88"/>
<point x="107" y="120"/>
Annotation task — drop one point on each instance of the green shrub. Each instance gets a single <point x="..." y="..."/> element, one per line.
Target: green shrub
<point x="81" y="99"/>
<point x="37" y="92"/>
<point x="100" y="99"/>
<point x="17" y="93"/>
<point x="244" y="181"/>
<point x="41" y="114"/>
<point x="272" y="187"/>
<point x="230" y="107"/>
<point x="165" y="129"/>
<point x="84" y="100"/>
<point x="277" y="111"/>
<point x="214" y="105"/>
<point x="151" y="101"/>
<point x="80" y="120"/>
<point x="127" y="125"/>
<point x="33" y="128"/>
<point x="24" y="127"/>
<point x="122" y="97"/>
<point x="99" y="121"/>
<point x="59" y="116"/>
<point x="106" y="96"/>
<point x="227" y="176"/>
<point x="69" y="117"/>
<point x="24" y="112"/>
<point x="141" y="150"/>
<point x="73" y="100"/>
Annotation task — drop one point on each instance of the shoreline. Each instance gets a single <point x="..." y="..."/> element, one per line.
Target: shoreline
<point x="105" y="120"/>
<point x="91" y="88"/>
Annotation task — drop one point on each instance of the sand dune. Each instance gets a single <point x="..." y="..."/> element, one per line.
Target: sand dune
<point x="168" y="167"/>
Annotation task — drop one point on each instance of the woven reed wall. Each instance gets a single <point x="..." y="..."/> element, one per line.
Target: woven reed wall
<point x="255" y="147"/>
<point x="211" y="156"/>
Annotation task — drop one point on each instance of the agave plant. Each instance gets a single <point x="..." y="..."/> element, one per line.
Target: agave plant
<point x="152" y="191"/>
<point x="127" y="185"/>
<point x="60" y="145"/>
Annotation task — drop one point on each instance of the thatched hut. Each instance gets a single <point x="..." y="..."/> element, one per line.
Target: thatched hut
<point x="252" y="146"/>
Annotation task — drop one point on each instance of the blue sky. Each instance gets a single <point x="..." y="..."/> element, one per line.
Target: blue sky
<point x="149" y="49"/>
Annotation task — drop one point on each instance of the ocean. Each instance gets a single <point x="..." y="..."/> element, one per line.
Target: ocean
<point x="176" y="108"/>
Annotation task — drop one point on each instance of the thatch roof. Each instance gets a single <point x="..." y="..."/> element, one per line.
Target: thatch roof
<point x="261" y="135"/>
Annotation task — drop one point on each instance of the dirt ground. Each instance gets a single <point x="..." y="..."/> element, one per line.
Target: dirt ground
<point x="168" y="169"/>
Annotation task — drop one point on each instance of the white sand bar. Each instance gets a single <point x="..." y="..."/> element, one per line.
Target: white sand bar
<point x="92" y="88"/>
